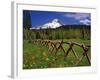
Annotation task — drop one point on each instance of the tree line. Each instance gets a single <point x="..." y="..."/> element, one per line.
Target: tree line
<point x="63" y="32"/>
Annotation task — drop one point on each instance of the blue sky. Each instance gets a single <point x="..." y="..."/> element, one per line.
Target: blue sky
<point x="39" y="18"/>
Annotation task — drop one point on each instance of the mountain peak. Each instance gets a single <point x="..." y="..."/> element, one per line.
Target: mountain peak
<point x="55" y="20"/>
<point x="55" y="23"/>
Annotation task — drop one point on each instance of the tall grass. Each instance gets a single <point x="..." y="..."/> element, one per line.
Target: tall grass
<point x="38" y="56"/>
<point x="69" y="32"/>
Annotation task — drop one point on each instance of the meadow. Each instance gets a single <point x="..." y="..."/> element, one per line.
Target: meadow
<point x="39" y="56"/>
<point x="36" y="55"/>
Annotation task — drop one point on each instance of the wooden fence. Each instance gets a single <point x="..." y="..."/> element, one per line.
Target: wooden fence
<point x="55" y="46"/>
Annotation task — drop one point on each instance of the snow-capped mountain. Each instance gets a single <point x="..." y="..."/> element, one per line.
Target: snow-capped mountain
<point x="55" y="23"/>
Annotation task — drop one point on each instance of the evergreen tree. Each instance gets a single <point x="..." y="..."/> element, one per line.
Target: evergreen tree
<point x="26" y="19"/>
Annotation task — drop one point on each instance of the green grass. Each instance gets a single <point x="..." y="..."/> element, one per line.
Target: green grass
<point x="39" y="56"/>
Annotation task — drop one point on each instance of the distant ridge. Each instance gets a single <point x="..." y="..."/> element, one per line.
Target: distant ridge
<point x="56" y="23"/>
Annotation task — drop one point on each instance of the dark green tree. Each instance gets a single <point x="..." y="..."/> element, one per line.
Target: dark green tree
<point x="26" y="19"/>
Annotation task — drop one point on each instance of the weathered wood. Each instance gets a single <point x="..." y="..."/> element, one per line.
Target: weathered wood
<point x="83" y="55"/>
<point x="54" y="47"/>
<point x="74" y="53"/>
<point x="67" y="52"/>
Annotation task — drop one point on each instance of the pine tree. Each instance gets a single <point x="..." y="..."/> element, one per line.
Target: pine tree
<point x="26" y="19"/>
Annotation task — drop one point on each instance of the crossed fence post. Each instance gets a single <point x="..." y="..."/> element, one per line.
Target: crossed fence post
<point x="70" y="49"/>
<point x="85" y="53"/>
<point x="59" y="45"/>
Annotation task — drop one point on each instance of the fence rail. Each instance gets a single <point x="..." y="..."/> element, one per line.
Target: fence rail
<point x="55" y="46"/>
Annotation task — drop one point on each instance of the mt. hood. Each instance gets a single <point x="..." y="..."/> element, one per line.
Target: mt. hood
<point x="55" y="23"/>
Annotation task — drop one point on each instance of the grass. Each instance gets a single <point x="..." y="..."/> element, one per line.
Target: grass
<point x="39" y="56"/>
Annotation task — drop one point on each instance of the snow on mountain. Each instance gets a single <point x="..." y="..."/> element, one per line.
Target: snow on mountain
<point x="55" y="23"/>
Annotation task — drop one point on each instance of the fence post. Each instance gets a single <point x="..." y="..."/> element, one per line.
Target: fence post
<point x="83" y="55"/>
<point x="66" y="54"/>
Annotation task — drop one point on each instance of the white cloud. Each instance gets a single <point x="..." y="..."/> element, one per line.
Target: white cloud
<point x="81" y="17"/>
<point x="77" y="16"/>
<point x="85" y="21"/>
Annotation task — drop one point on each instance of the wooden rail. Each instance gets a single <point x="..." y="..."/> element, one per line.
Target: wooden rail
<point x="55" y="46"/>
